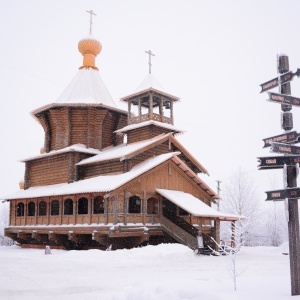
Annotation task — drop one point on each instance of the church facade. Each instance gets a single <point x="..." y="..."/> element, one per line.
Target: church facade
<point x="110" y="177"/>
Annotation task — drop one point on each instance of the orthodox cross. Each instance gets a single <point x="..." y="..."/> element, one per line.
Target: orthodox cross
<point x="91" y="19"/>
<point x="149" y="63"/>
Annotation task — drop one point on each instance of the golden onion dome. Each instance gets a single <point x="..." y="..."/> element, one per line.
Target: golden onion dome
<point x="89" y="48"/>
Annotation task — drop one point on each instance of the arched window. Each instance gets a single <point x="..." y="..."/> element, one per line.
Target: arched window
<point x="42" y="208"/>
<point x="55" y="208"/>
<point x="152" y="206"/>
<point x="98" y="205"/>
<point x="68" y="207"/>
<point x="31" y="209"/>
<point x="20" y="209"/>
<point x="134" y="205"/>
<point x="83" y="206"/>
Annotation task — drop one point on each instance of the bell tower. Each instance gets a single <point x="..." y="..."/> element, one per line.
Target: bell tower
<point x="154" y="110"/>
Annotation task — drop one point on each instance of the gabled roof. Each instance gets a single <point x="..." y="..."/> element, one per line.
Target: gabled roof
<point x="147" y="123"/>
<point x="74" y="148"/>
<point x="105" y="183"/>
<point x="194" y="177"/>
<point x="124" y="151"/>
<point x="195" y="206"/>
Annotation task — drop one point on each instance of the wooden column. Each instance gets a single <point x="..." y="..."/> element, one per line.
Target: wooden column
<point x="144" y="207"/>
<point x="151" y="106"/>
<point x="171" y="112"/>
<point x="161" y="109"/>
<point x="106" y="206"/>
<point x="129" y="112"/>
<point x="90" y="207"/>
<point x="140" y="110"/>
<point x="115" y="209"/>
<point x="125" y="208"/>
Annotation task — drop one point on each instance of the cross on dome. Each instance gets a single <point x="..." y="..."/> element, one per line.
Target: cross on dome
<point x="149" y="63"/>
<point x="91" y="19"/>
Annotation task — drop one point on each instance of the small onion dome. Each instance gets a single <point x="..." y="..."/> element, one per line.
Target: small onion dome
<point x="89" y="48"/>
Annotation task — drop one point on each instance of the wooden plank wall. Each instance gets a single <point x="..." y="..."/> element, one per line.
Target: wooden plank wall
<point x="94" y="170"/>
<point x="144" y="133"/>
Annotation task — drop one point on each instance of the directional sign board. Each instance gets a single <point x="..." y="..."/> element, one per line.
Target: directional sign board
<point x="285" y="149"/>
<point x="286" y="137"/>
<point x="284" y="99"/>
<point x="292" y="193"/>
<point x="277" y="162"/>
<point x="282" y="79"/>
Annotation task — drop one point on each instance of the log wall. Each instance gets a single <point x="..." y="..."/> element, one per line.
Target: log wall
<point x="60" y="168"/>
<point x="144" y="133"/>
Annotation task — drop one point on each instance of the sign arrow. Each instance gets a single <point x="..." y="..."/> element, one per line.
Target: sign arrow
<point x="284" y="99"/>
<point x="292" y="193"/>
<point x="286" y="137"/>
<point x="282" y="79"/>
<point x="277" y="162"/>
<point x="285" y="148"/>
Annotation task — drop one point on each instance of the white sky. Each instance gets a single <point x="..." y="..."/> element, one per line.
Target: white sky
<point x="211" y="54"/>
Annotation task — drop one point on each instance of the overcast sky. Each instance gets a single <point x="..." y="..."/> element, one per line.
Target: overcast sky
<point x="211" y="54"/>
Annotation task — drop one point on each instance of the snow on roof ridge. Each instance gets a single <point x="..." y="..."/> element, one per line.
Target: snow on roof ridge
<point x="194" y="205"/>
<point x="145" y="123"/>
<point x="103" y="183"/>
<point x="121" y="150"/>
<point x="75" y="147"/>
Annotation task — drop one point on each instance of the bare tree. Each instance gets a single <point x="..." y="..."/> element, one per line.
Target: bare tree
<point x="240" y="197"/>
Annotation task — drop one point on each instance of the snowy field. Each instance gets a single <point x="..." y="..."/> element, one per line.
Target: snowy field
<point x="164" y="272"/>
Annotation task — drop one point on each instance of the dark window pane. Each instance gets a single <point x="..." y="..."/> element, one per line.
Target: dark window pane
<point x="134" y="205"/>
<point x="20" y="209"/>
<point x="83" y="206"/>
<point x="31" y="209"/>
<point x="98" y="205"/>
<point x="42" y="208"/>
<point x="68" y="207"/>
<point x="55" y="208"/>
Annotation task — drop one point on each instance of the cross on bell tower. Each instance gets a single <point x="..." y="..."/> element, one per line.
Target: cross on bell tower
<point x="91" y="19"/>
<point x="149" y="63"/>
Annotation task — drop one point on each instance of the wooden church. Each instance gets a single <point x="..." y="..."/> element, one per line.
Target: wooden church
<point x="88" y="188"/>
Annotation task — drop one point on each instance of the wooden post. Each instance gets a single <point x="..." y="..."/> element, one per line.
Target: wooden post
<point x="232" y="242"/>
<point x="293" y="223"/>
<point x="140" y="110"/>
<point x="151" y="106"/>
<point x="129" y="112"/>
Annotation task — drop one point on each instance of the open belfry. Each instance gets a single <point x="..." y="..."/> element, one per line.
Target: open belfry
<point x="107" y="177"/>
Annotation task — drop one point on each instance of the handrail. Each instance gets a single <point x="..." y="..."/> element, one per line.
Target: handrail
<point x="179" y="234"/>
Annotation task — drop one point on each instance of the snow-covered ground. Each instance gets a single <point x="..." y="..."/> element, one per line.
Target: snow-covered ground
<point x="164" y="272"/>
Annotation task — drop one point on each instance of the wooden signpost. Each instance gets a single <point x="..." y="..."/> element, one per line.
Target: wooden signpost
<point x="281" y="144"/>
<point x="286" y="137"/>
<point x="284" y="99"/>
<point x="292" y="193"/>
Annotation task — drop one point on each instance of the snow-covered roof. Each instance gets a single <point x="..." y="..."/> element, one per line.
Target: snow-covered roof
<point x="147" y="123"/>
<point x="149" y="82"/>
<point x="74" y="148"/>
<point x="103" y="183"/>
<point x="121" y="151"/>
<point x="194" y="205"/>
<point x="86" y="87"/>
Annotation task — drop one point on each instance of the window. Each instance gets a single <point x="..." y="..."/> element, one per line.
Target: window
<point x="83" y="206"/>
<point x="98" y="205"/>
<point x="152" y="206"/>
<point x="20" y="209"/>
<point x="134" y="205"/>
<point x="55" y="208"/>
<point x="68" y="207"/>
<point x="42" y="208"/>
<point x="31" y="209"/>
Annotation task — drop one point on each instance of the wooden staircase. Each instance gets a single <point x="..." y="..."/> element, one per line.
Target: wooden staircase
<point x="180" y="230"/>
